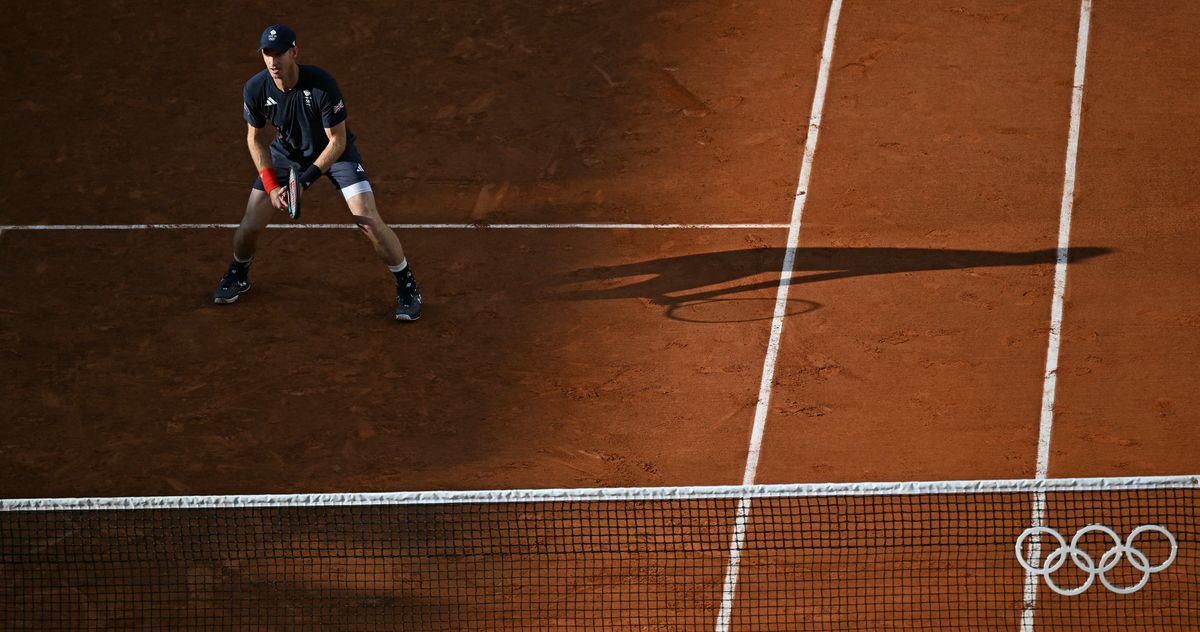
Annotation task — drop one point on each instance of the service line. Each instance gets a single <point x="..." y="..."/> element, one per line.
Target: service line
<point x="781" y="299"/>
<point x="1050" y="377"/>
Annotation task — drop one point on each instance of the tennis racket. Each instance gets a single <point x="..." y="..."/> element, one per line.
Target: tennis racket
<point x="293" y="194"/>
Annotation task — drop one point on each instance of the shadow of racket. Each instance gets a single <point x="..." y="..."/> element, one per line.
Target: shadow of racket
<point x="736" y="310"/>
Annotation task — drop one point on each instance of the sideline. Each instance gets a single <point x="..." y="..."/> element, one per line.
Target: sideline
<point x="1050" y="377"/>
<point x="781" y="299"/>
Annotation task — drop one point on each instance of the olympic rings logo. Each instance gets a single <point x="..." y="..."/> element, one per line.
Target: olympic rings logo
<point x="1087" y="564"/>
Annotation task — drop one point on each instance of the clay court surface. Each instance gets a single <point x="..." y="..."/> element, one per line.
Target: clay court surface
<point x="915" y="338"/>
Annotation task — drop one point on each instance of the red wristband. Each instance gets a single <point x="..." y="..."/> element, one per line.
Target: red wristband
<point x="268" y="179"/>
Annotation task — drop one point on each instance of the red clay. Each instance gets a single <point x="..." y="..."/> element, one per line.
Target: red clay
<point x="937" y="191"/>
<point x="916" y="335"/>
<point x="1127" y="389"/>
<point x="927" y="251"/>
<point x="527" y="371"/>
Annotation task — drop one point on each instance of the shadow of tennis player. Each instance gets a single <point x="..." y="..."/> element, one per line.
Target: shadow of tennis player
<point x="674" y="282"/>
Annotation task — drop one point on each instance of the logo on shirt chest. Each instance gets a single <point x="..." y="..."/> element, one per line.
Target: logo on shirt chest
<point x="270" y="102"/>
<point x="308" y="99"/>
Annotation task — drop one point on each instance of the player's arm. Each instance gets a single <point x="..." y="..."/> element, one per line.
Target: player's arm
<point x="258" y="139"/>
<point x="337" y="145"/>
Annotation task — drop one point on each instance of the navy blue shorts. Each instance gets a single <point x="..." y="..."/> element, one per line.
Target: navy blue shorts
<point x="349" y="177"/>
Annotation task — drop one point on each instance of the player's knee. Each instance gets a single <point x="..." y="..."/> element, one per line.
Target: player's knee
<point x="258" y="208"/>
<point x="370" y="224"/>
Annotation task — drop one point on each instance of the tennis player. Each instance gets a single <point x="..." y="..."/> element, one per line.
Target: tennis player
<point x="307" y="132"/>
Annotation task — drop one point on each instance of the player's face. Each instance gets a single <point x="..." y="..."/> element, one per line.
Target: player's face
<point x="279" y="64"/>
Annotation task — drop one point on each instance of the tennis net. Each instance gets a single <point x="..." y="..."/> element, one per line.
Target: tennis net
<point x="953" y="555"/>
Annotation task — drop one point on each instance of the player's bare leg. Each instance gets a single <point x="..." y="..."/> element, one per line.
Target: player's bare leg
<point x="236" y="281"/>
<point x="387" y="245"/>
<point x="381" y="236"/>
<point x="258" y="214"/>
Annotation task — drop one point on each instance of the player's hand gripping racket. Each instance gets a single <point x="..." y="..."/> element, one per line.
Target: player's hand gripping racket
<point x="293" y="194"/>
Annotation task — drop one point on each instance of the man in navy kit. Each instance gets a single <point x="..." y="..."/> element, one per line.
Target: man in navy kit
<point x="308" y="125"/>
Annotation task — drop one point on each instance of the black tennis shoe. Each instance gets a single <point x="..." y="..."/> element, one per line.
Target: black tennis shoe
<point x="408" y="297"/>
<point x="235" y="283"/>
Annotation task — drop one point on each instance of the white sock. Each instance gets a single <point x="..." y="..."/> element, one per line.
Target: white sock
<point x="399" y="267"/>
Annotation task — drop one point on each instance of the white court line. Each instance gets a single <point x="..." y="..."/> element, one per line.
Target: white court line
<point x="781" y="299"/>
<point x="1050" y="378"/>
<point x="600" y="226"/>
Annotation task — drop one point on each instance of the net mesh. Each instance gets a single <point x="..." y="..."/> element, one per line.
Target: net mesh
<point x="906" y="556"/>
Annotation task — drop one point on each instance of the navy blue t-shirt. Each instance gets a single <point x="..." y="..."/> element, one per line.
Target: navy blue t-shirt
<point x="299" y="115"/>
